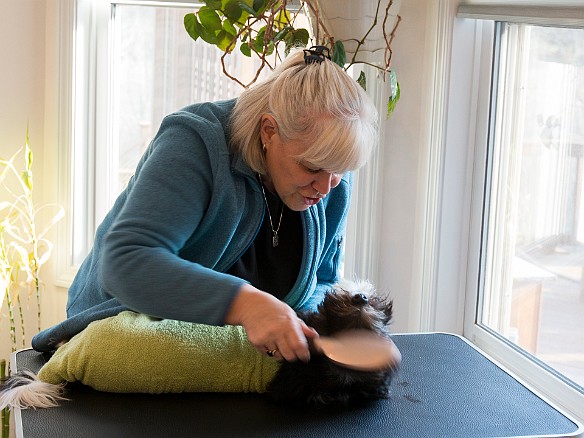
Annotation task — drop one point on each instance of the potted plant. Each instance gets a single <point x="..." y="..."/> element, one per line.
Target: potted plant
<point x="259" y="27"/>
<point x="24" y="249"/>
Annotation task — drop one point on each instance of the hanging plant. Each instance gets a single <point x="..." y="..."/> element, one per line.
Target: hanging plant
<point x="260" y="28"/>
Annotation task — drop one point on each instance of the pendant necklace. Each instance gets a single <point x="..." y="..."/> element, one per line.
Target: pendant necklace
<point x="275" y="239"/>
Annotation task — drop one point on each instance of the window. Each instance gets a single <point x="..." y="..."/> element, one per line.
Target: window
<point x="134" y="64"/>
<point x="524" y="279"/>
<point x="533" y="283"/>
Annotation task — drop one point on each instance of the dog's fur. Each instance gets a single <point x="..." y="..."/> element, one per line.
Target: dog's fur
<point x="319" y="382"/>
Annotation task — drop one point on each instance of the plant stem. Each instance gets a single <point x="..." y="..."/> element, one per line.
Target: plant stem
<point x="5" y="411"/>
<point x="11" y="319"/>
<point x="21" y="316"/>
<point x="38" y="298"/>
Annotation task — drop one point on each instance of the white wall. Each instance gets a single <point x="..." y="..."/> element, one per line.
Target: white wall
<point x="27" y="97"/>
<point x="55" y="298"/>
<point x="428" y="163"/>
<point x="404" y="172"/>
<point x="22" y="56"/>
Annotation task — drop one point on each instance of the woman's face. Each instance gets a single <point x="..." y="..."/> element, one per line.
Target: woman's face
<point x="297" y="183"/>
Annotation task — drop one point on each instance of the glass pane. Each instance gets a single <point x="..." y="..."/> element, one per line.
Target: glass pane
<point x="135" y="63"/>
<point x="534" y="247"/>
<point x="158" y="69"/>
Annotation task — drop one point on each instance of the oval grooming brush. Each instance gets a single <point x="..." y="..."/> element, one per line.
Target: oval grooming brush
<point x="361" y="350"/>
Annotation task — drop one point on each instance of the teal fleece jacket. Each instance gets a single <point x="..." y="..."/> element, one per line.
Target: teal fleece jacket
<point x="189" y="212"/>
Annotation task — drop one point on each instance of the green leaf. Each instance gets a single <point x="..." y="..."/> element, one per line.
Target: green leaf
<point x="26" y="177"/>
<point x="191" y="26"/>
<point x="208" y="37"/>
<point x="233" y="10"/>
<point x="244" y="48"/>
<point x="27" y="153"/>
<point x="258" y="42"/>
<point x="229" y="27"/>
<point x="213" y="4"/>
<point x="393" y="100"/>
<point x="27" y="173"/>
<point x="394" y="86"/>
<point x="224" y="40"/>
<point x="259" y="6"/>
<point x="209" y="25"/>
<point x="251" y="11"/>
<point x="301" y="36"/>
<point x="289" y="40"/>
<point x="280" y="35"/>
<point x="282" y="19"/>
<point x="362" y="80"/>
<point x="210" y="19"/>
<point x="298" y="37"/>
<point x="339" y="54"/>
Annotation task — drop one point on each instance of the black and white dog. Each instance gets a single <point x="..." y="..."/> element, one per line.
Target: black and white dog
<point x="323" y="382"/>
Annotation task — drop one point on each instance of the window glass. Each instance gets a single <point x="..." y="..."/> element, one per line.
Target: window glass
<point x="160" y="69"/>
<point x="533" y="243"/>
<point x="135" y="64"/>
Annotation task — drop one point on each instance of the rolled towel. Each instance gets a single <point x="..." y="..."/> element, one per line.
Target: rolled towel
<point x="132" y="352"/>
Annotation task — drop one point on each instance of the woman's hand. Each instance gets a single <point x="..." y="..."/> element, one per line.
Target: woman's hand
<point x="270" y="324"/>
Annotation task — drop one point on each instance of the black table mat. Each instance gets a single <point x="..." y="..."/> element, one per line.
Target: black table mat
<point x="445" y="388"/>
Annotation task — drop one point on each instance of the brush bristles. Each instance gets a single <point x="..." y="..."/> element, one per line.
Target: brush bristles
<point x="24" y="390"/>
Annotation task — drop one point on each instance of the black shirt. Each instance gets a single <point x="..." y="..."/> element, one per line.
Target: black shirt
<point x="268" y="268"/>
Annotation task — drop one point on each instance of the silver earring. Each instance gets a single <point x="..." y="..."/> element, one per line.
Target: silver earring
<point x="264" y="147"/>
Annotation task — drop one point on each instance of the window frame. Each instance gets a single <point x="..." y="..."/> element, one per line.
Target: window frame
<point x="66" y="12"/>
<point x="79" y="104"/>
<point x="85" y="38"/>
<point x="541" y="378"/>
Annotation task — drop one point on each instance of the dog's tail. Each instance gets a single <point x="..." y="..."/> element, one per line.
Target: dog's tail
<point x="25" y="390"/>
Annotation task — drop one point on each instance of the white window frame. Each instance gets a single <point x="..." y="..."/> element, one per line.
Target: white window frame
<point x="455" y="213"/>
<point x="66" y="13"/>
<point x="540" y="376"/>
<point x="85" y="98"/>
<point x="80" y="102"/>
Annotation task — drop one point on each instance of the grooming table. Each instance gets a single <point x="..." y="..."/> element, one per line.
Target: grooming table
<point x="444" y="388"/>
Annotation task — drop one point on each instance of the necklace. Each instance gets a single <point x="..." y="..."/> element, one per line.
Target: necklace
<point x="275" y="239"/>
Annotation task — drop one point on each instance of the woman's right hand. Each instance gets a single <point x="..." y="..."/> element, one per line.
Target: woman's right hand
<point x="271" y="324"/>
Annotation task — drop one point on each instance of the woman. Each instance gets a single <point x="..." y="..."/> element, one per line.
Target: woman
<point x="236" y="212"/>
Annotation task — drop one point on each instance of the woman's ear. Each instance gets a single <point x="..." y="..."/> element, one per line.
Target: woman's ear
<point x="268" y="128"/>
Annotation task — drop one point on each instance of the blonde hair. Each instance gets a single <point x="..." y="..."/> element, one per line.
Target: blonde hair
<point x="319" y="104"/>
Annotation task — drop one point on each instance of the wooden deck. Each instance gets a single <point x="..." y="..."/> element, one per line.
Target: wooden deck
<point x="560" y="341"/>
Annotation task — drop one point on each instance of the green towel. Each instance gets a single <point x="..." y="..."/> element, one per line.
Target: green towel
<point x="132" y="352"/>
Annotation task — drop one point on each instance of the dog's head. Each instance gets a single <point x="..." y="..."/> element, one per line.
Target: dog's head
<point x="351" y="306"/>
<point x="322" y="382"/>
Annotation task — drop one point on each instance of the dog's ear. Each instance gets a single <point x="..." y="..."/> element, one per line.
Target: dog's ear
<point x="383" y="305"/>
<point x="388" y="310"/>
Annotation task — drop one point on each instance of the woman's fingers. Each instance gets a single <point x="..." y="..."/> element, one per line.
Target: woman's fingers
<point x="291" y="342"/>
